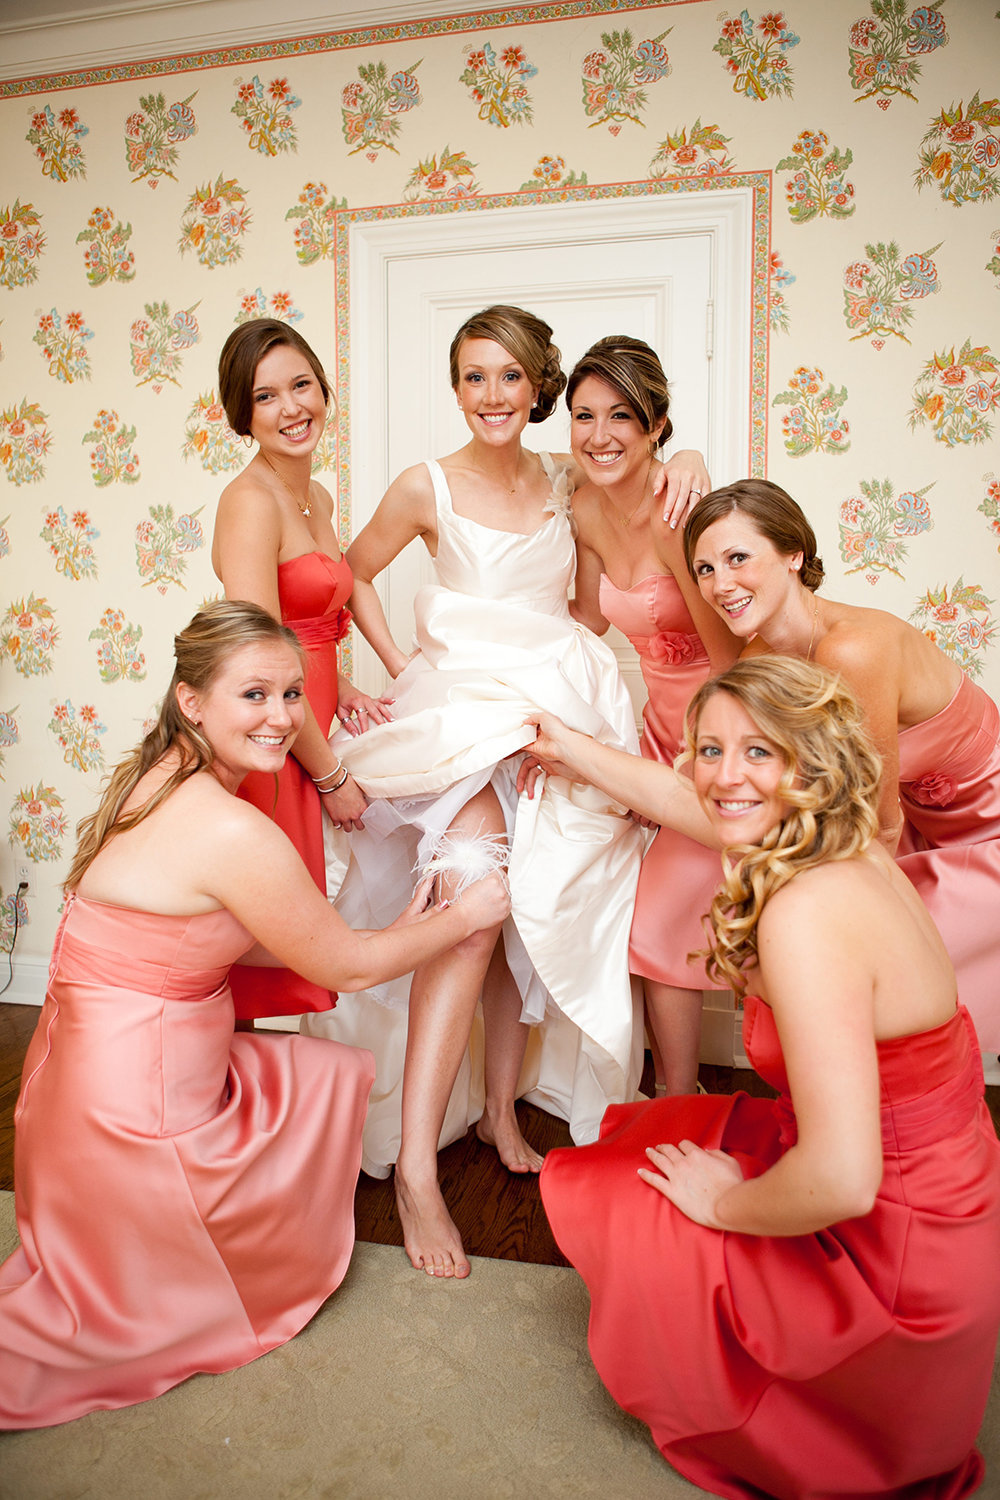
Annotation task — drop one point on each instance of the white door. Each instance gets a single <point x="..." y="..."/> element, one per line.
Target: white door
<point x="607" y="272"/>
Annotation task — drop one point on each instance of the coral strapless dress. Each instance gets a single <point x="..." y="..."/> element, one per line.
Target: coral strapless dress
<point x="851" y="1362"/>
<point x="185" y="1198"/>
<point x="313" y="590"/>
<point x="679" y="876"/>
<point x="949" y="787"/>
<point x="496" y="643"/>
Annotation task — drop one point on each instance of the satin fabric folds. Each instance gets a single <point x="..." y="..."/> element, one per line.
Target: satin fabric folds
<point x="949" y="787"/>
<point x="496" y="644"/>
<point x="851" y="1362"/>
<point x="312" y="591"/>
<point x="679" y="876"/>
<point x="185" y="1198"/>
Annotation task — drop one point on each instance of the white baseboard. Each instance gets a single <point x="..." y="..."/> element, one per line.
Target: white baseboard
<point x="28" y="984"/>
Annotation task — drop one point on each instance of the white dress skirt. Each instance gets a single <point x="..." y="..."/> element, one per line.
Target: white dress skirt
<point x="497" y="643"/>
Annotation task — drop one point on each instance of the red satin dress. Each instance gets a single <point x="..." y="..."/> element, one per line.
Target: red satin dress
<point x="313" y="590"/>
<point x="679" y="877"/>
<point x="185" y="1197"/>
<point x="949" y="787"/>
<point x="851" y="1362"/>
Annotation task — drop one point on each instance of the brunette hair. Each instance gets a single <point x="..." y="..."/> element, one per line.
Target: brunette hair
<point x="830" y="784"/>
<point x="526" y="338"/>
<point x="242" y="353"/>
<point x="201" y="650"/>
<point x="631" y="368"/>
<point x="774" y="514"/>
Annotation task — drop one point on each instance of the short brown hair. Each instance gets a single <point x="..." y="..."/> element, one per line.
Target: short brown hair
<point x="526" y="338"/>
<point x="242" y="353"/>
<point x="774" y="514"/>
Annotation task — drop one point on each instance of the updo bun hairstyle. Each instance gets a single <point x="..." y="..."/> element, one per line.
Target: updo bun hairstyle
<point x="526" y="338"/>
<point x="774" y="514"/>
<point x="632" y="369"/>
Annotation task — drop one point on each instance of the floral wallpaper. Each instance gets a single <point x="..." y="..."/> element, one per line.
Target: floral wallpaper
<point x="147" y="208"/>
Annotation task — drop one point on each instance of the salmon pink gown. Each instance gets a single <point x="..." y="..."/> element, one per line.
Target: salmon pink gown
<point x="949" y="787"/>
<point x="185" y="1197"/>
<point x="855" y="1361"/>
<point x="679" y="877"/>
<point x="313" y="591"/>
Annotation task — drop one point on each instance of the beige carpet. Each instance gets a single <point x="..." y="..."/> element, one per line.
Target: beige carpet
<point x="480" y="1390"/>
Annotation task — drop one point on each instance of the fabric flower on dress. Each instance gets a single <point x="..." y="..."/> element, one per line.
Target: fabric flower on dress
<point x="559" y="503"/>
<point x="933" y="790"/>
<point x="672" y="647"/>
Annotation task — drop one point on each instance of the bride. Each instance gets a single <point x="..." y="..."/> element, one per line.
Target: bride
<point x="495" y="640"/>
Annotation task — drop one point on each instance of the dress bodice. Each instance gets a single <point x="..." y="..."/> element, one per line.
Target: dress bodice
<point x="313" y="588"/>
<point x="930" y="1083"/>
<point x="654" y="616"/>
<point x="533" y="570"/>
<point x="961" y="738"/>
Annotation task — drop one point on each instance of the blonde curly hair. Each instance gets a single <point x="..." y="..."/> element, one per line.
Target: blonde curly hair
<point x="830" y="784"/>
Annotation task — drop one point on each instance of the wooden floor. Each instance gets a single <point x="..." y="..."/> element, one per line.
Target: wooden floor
<point x="498" y="1213"/>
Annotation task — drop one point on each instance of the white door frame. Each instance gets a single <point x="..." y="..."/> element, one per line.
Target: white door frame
<point x="727" y="215"/>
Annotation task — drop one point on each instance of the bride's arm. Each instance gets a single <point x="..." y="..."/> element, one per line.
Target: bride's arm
<point x="405" y="511"/>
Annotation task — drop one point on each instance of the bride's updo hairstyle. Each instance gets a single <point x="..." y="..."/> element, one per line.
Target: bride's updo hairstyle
<point x="631" y="369"/>
<point x="201" y="650"/>
<point x="830" y="783"/>
<point x="774" y="514"/>
<point x="526" y="338"/>
<point x="242" y="353"/>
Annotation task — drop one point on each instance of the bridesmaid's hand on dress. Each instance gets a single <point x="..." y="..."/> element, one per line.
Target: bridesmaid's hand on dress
<point x="346" y="807"/>
<point x="680" y="483"/>
<point x="546" y="753"/>
<point x="356" y="710"/>
<point x="692" y="1179"/>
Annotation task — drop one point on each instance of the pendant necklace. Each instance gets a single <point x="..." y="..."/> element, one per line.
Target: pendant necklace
<point x="812" y="638"/>
<point x="305" y="509"/>
<point x="626" y="521"/>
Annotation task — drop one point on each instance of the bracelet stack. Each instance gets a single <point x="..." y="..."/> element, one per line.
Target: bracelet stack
<point x="340" y="771"/>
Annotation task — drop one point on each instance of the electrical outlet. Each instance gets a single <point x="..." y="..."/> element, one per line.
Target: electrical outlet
<point x="24" y="872"/>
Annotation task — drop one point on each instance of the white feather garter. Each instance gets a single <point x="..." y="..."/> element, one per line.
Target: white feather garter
<point x="465" y="858"/>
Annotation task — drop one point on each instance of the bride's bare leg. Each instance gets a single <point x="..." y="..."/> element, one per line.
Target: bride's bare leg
<point x="506" y="1039"/>
<point x="443" y="999"/>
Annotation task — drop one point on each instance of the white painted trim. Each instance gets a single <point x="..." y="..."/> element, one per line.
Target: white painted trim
<point x="28" y="985"/>
<point x="35" y="43"/>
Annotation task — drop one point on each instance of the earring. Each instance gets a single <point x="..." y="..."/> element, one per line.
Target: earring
<point x="247" y="440"/>
<point x="534" y="406"/>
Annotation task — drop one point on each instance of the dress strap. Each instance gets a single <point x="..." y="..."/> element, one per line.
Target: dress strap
<point x="442" y="494"/>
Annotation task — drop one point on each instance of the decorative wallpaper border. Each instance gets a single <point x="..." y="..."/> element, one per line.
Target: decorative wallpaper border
<point x="758" y="182"/>
<point x="332" y="41"/>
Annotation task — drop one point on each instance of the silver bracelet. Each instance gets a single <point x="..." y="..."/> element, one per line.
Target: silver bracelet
<point x="325" y="791"/>
<point x="326" y="776"/>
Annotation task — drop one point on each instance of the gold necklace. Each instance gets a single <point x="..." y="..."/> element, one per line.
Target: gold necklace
<point x="305" y="509"/>
<point x="626" y="521"/>
<point x="812" y="638"/>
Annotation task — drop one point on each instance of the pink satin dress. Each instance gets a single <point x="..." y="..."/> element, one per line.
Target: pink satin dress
<point x="853" y="1361"/>
<point x="313" y="591"/>
<point x="679" y="877"/>
<point x="185" y="1198"/>
<point x="949" y="787"/>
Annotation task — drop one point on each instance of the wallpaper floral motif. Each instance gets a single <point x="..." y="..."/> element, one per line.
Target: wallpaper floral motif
<point x="148" y="208"/>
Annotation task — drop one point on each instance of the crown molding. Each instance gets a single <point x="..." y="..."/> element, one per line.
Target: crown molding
<point x="34" y="43"/>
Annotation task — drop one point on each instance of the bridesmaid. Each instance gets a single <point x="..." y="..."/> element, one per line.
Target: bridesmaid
<point x="275" y="544"/>
<point x="631" y="573"/>
<point x="184" y="1196"/>
<point x="753" y="554"/>
<point x="798" y="1295"/>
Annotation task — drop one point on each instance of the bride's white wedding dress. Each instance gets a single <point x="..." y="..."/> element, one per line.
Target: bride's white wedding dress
<point x="496" y="643"/>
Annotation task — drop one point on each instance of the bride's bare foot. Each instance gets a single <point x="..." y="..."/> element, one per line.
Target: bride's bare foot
<point x="430" y="1238"/>
<point x="502" y="1131"/>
